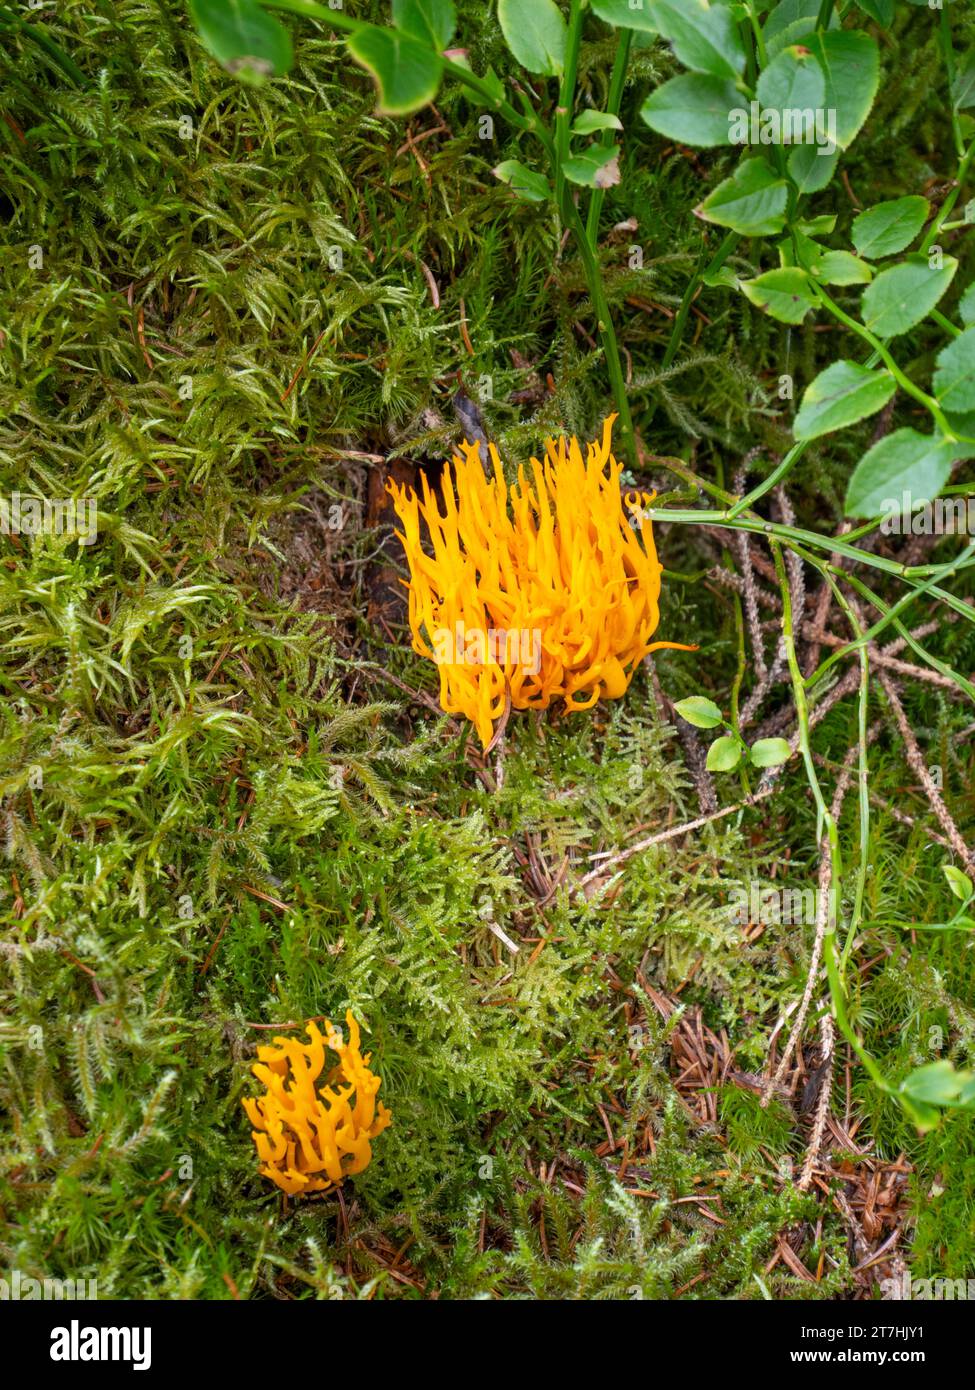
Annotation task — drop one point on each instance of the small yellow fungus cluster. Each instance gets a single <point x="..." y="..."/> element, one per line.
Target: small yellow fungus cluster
<point x="308" y="1140"/>
<point x="551" y="597"/>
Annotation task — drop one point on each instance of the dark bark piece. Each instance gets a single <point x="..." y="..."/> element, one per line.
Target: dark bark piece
<point x="385" y="594"/>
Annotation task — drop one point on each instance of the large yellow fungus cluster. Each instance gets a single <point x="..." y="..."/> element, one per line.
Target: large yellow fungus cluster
<point x="554" y="596"/>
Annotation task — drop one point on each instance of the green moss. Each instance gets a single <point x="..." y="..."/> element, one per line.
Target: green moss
<point x="217" y="814"/>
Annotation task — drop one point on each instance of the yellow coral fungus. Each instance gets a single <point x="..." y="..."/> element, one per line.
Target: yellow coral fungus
<point x="308" y="1140"/>
<point x="552" y="597"/>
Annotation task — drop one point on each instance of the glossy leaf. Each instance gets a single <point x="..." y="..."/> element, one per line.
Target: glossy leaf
<point x="889" y="227"/>
<point x="406" y="72"/>
<point x="536" y="33"/>
<point x="905" y="294"/>
<point x="753" y="201"/>
<point x="693" y="108"/>
<point x="904" y="462"/>
<point x="842" y="394"/>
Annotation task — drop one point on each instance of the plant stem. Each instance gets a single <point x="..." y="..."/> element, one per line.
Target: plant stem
<point x="604" y="317"/>
<point x="903" y="381"/>
<point x="615" y="99"/>
<point x="863" y="771"/>
<point x="948" y="53"/>
<point x="728" y="244"/>
<point x="759" y="36"/>
<point x="829" y="836"/>
<point x="567" y="93"/>
<point x="794" y="535"/>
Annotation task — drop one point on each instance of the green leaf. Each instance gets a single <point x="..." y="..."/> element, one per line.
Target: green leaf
<point x="966" y="305"/>
<point x="722" y="278"/>
<point x="844" y="393"/>
<point x="588" y="121"/>
<point x="959" y="883"/>
<point x="925" y="1117"/>
<point x="843" y="268"/>
<point x="954" y="380"/>
<point x="724" y="754"/>
<point x="964" y="426"/>
<point x="889" y="227"/>
<point x="786" y="293"/>
<point x="702" y="713"/>
<point x="937" y="1084"/>
<point x="704" y="37"/>
<point x="524" y="183"/>
<point x="818" y="226"/>
<point x="693" y="108"/>
<point x="536" y="33"/>
<point x="406" y="72"/>
<point x="625" y="15"/>
<point x="791" y="21"/>
<point x="792" y="81"/>
<point x="770" y="752"/>
<point x="828" y="267"/>
<point x="851" y="67"/>
<point x="963" y="87"/>
<point x="244" y="38"/>
<point x="880" y="10"/>
<point x="431" y="21"/>
<point x="752" y="201"/>
<point x="810" y="169"/>
<point x="597" y="167"/>
<point x="903" y="295"/>
<point x="903" y="462"/>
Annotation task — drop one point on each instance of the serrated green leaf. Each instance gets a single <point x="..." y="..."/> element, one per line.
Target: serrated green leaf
<point x="843" y="268"/>
<point x="954" y="379"/>
<point x="703" y="36"/>
<point x="693" y="108"/>
<point x="842" y="394"/>
<point x="826" y="267"/>
<point x="904" y="462"/>
<point x="536" y="34"/>
<point x="905" y="294"/>
<point x="786" y="293"/>
<point x="793" y="81"/>
<point x="790" y="22"/>
<point x="889" y="227"/>
<point x="753" y="201"/>
<point x="851" y="66"/>
<point x="966" y="305"/>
